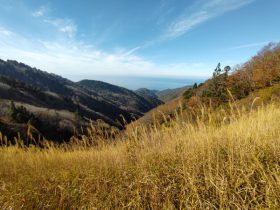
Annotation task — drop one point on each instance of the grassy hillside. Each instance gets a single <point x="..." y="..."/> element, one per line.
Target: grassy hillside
<point x="217" y="147"/>
<point x="260" y="72"/>
<point x="255" y="81"/>
<point x="209" y="164"/>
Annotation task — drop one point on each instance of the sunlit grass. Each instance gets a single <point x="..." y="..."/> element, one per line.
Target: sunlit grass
<point x="227" y="162"/>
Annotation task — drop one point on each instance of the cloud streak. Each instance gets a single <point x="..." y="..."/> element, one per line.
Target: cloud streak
<point x="202" y="12"/>
<point x="5" y="32"/>
<point x="63" y="25"/>
<point x="76" y="58"/>
<point x="251" y="45"/>
<point x="66" y="26"/>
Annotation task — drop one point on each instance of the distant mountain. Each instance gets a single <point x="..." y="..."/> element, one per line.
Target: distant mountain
<point x="171" y="94"/>
<point x="122" y="97"/>
<point x="163" y="95"/>
<point x="43" y="93"/>
<point x="149" y="95"/>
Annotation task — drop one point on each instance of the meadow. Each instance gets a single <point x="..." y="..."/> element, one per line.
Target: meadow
<point x="217" y="161"/>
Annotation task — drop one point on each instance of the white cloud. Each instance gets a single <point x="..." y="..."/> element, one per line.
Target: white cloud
<point x="66" y="26"/>
<point x="251" y="45"/>
<point x="76" y="58"/>
<point x="5" y="32"/>
<point x="180" y="27"/>
<point x="40" y="12"/>
<point x="202" y="12"/>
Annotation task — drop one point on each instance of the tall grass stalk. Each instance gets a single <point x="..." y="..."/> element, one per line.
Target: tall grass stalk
<point x="222" y="161"/>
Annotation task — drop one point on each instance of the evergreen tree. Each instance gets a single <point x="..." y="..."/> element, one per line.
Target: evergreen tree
<point x="195" y="86"/>
<point x="218" y="86"/>
<point x="217" y="71"/>
<point x="12" y="110"/>
<point x="226" y="70"/>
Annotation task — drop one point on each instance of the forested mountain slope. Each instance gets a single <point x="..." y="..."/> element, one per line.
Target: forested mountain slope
<point x="29" y="87"/>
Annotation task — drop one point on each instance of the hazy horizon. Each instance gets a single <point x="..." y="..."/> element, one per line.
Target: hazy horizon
<point x="136" y="82"/>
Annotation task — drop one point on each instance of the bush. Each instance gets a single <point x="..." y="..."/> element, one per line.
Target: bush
<point x="21" y="115"/>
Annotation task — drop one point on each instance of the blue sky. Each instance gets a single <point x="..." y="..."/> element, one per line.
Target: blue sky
<point x="147" y="38"/>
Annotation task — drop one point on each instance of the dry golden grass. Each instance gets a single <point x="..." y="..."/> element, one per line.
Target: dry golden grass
<point x="230" y="164"/>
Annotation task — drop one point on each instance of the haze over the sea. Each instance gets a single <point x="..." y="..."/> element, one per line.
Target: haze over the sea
<point x="152" y="83"/>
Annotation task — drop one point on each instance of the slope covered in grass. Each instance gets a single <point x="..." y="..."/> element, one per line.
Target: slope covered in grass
<point x="222" y="161"/>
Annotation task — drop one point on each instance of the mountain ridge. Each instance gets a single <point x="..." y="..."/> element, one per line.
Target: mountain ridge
<point x="26" y="85"/>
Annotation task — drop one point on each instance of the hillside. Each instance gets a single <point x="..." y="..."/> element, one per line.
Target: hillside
<point x="162" y="95"/>
<point x="51" y="93"/>
<point x="124" y="98"/>
<point x="255" y="81"/>
<point x="182" y="165"/>
<point x="171" y="94"/>
<point x="216" y="147"/>
<point x="149" y="95"/>
<point x="261" y="72"/>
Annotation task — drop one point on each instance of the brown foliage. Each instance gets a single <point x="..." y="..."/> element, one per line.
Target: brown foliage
<point x="261" y="71"/>
<point x="194" y="101"/>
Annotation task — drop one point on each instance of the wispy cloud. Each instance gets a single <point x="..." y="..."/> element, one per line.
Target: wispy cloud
<point x="40" y="11"/>
<point x="5" y="32"/>
<point x="76" y="58"/>
<point x="202" y="12"/>
<point x="66" y="26"/>
<point x="180" y="27"/>
<point x="69" y="56"/>
<point x="251" y="45"/>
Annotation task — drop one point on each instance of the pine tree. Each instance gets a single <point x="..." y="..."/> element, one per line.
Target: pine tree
<point x="217" y="71"/>
<point x="195" y="86"/>
<point x="12" y="110"/>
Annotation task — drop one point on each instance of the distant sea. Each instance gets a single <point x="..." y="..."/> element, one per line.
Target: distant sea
<point x="153" y="83"/>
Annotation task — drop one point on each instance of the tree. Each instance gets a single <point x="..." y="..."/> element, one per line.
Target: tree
<point x="226" y="70"/>
<point x="217" y="71"/>
<point x="12" y="110"/>
<point x="22" y="115"/>
<point x="218" y="85"/>
<point x="188" y="93"/>
<point x="78" y="118"/>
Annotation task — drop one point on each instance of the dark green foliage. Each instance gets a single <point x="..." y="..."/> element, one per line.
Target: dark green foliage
<point x="201" y="84"/>
<point x="218" y="85"/>
<point x="227" y="69"/>
<point x="78" y="117"/>
<point x="21" y="115"/>
<point x="240" y="90"/>
<point x="12" y="110"/>
<point x="217" y="71"/>
<point x="195" y="86"/>
<point x="188" y="93"/>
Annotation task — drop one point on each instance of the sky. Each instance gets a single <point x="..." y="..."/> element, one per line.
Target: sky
<point x="124" y="39"/>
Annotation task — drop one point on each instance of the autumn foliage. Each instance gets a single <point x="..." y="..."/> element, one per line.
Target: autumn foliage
<point x="262" y="71"/>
